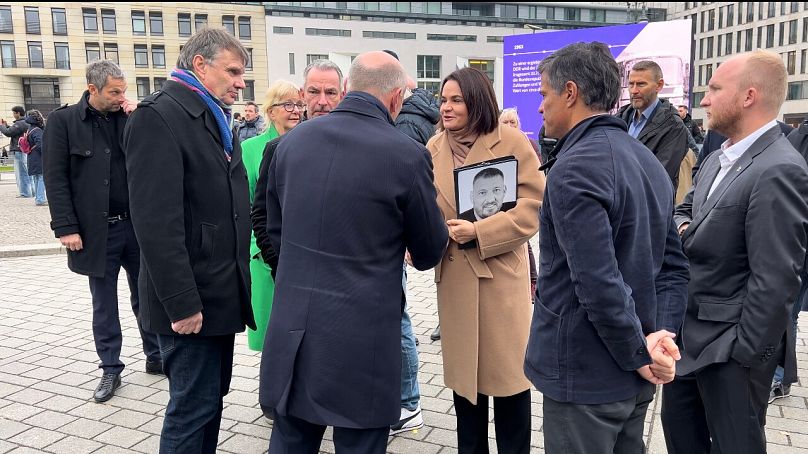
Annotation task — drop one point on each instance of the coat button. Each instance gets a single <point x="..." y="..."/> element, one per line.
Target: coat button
<point x="641" y="350"/>
<point x="106" y="182"/>
<point x="87" y="153"/>
<point x="105" y="214"/>
<point x="451" y="258"/>
<point x="235" y="216"/>
<point x="106" y="150"/>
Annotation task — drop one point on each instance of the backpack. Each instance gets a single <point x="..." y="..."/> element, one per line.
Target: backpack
<point x="25" y="146"/>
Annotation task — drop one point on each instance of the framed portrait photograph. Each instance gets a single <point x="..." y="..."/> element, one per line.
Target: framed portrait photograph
<point x="484" y="189"/>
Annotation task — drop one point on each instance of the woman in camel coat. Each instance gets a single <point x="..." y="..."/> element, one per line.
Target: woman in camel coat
<point x="484" y="300"/>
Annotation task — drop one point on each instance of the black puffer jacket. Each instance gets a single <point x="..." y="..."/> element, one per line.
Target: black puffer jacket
<point x="418" y="116"/>
<point x="694" y="129"/>
<point x="14" y="132"/>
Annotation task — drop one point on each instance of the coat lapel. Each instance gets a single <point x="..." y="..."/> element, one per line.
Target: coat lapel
<point x="443" y="163"/>
<point x="213" y="129"/>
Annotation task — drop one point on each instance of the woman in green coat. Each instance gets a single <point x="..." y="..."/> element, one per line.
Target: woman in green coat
<point x="283" y="108"/>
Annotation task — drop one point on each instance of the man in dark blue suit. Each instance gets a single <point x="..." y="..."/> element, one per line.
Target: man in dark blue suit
<point x="347" y="195"/>
<point x="613" y="278"/>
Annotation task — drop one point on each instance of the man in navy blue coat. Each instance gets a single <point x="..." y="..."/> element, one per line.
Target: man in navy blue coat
<point x="613" y="277"/>
<point x="347" y="194"/>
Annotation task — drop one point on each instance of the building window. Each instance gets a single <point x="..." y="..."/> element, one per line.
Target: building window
<point x="32" y="20"/>
<point x="572" y="14"/>
<point x="8" y="54"/>
<point x="141" y="56"/>
<point x="428" y="67"/>
<point x="291" y="62"/>
<point x="709" y="73"/>
<point x="697" y="97"/>
<point x="486" y="66"/>
<point x="200" y="21"/>
<point x="795" y="7"/>
<point x="792" y="31"/>
<point x="249" y="65"/>
<point x="701" y="49"/>
<point x="229" y="24"/>
<point x="184" y="27"/>
<point x="731" y="14"/>
<point x="138" y="23"/>
<point x="156" y="23"/>
<point x="710" y="47"/>
<point x="111" y="52"/>
<point x="772" y="9"/>
<point x="728" y="44"/>
<point x="158" y="56"/>
<point x="248" y="94"/>
<point x="313" y="57"/>
<point x="791" y="62"/>
<point x="430" y="86"/>
<point x="143" y="88"/>
<point x="710" y="20"/>
<point x="750" y="12"/>
<point x="797" y="90"/>
<point x="62" y="55"/>
<point x="770" y="36"/>
<point x="748" y="44"/>
<point x="93" y="51"/>
<point x="59" y="20"/>
<point x="328" y="32"/>
<point x="244" y="27"/>
<point x="495" y="39"/>
<point x="90" y="17"/>
<point x="445" y="37"/>
<point x="388" y="35"/>
<point x="283" y="30"/>
<point x="738" y="41"/>
<point x="550" y="12"/>
<point x="597" y="15"/>
<point x="803" y="56"/>
<point x="108" y="21"/>
<point x="721" y="18"/>
<point x="6" y="24"/>
<point x="158" y="83"/>
<point x="720" y="49"/>
<point x="35" y="55"/>
<point x="782" y="33"/>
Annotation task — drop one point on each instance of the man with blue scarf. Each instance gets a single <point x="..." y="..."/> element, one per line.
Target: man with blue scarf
<point x="190" y="208"/>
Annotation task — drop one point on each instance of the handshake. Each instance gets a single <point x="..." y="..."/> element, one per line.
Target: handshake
<point x="664" y="354"/>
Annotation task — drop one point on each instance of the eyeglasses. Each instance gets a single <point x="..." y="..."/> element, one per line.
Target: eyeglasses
<point x="289" y="106"/>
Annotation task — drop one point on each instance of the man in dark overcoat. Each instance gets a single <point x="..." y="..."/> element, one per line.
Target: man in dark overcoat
<point x="332" y="355"/>
<point x="85" y="179"/>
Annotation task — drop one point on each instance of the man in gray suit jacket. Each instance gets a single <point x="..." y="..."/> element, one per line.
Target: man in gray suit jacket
<point x="743" y="227"/>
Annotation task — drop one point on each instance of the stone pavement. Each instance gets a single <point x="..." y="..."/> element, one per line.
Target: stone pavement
<point x="48" y="370"/>
<point x="23" y="224"/>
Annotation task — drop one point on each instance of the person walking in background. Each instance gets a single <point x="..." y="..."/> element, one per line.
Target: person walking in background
<point x="190" y="206"/>
<point x="14" y="132"/>
<point x="483" y="292"/>
<point x="332" y="354"/>
<point x="284" y="109"/>
<point x="86" y="182"/>
<point x="36" y="130"/>
<point x="613" y="278"/>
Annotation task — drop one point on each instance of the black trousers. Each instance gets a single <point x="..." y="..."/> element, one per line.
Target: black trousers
<point x="613" y="428"/>
<point x="735" y="402"/>
<point x="683" y="419"/>
<point x="511" y="424"/>
<point x="122" y="250"/>
<point x="292" y="435"/>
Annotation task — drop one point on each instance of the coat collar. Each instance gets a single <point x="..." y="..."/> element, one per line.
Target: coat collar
<point x="362" y="103"/>
<point x="702" y="204"/>
<point x="578" y="132"/>
<point x="84" y="108"/>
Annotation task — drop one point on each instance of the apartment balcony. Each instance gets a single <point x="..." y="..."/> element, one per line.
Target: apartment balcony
<point x="34" y="68"/>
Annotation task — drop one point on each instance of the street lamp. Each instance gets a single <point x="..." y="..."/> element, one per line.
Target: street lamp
<point x="637" y="12"/>
<point x="533" y="27"/>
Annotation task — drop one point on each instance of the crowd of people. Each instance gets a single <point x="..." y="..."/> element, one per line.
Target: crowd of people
<point x="298" y="225"/>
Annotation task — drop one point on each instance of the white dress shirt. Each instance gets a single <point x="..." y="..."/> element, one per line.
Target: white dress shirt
<point x="730" y="152"/>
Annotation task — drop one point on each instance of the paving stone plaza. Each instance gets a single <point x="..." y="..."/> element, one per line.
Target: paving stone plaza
<point x="49" y="368"/>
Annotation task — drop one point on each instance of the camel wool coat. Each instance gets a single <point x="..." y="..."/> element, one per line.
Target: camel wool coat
<point x="484" y="301"/>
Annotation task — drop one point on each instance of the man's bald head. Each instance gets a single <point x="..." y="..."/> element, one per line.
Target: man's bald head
<point x="765" y="72"/>
<point x="377" y="73"/>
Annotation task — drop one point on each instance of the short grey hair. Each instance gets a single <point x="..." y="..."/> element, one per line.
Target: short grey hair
<point x="99" y="71"/>
<point x="378" y="80"/>
<point x="648" y="65"/>
<point x="591" y="67"/>
<point x="323" y="65"/>
<point x="208" y="43"/>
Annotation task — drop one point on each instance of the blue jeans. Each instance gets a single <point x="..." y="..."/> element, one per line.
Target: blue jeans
<point x="21" y="174"/>
<point x="795" y="313"/>
<point x="39" y="188"/>
<point x="410" y="393"/>
<point x="198" y="370"/>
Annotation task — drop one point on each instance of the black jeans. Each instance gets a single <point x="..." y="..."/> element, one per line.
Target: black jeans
<point x="292" y="435"/>
<point x="683" y="419"/>
<point x="198" y="370"/>
<point x="612" y="428"/>
<point x="122" y="250"/>
<point x="511" y="424"/>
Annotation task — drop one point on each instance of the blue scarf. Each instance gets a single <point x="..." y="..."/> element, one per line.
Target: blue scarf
<point x="219" y="110"/>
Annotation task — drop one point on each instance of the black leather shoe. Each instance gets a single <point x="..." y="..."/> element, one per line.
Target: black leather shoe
<point x="435" y="336"/>
<point x="154" y="367"/>
<point x="106" y="388"/>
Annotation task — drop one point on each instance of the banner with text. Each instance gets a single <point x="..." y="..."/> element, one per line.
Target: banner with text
<point x="667" y="43"/>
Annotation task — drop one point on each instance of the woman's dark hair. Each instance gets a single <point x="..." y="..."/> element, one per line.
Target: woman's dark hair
<point x="480" y="99"/>
<point x="37" y="117"/>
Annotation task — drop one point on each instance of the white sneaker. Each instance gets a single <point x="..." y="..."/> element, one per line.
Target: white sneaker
<point x="411" y="420"/>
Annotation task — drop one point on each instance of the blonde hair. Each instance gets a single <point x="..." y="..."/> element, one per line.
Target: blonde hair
<point x="766" y="72"/>
<point x="510" y="113"/>
<point x="277" y="92"/>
